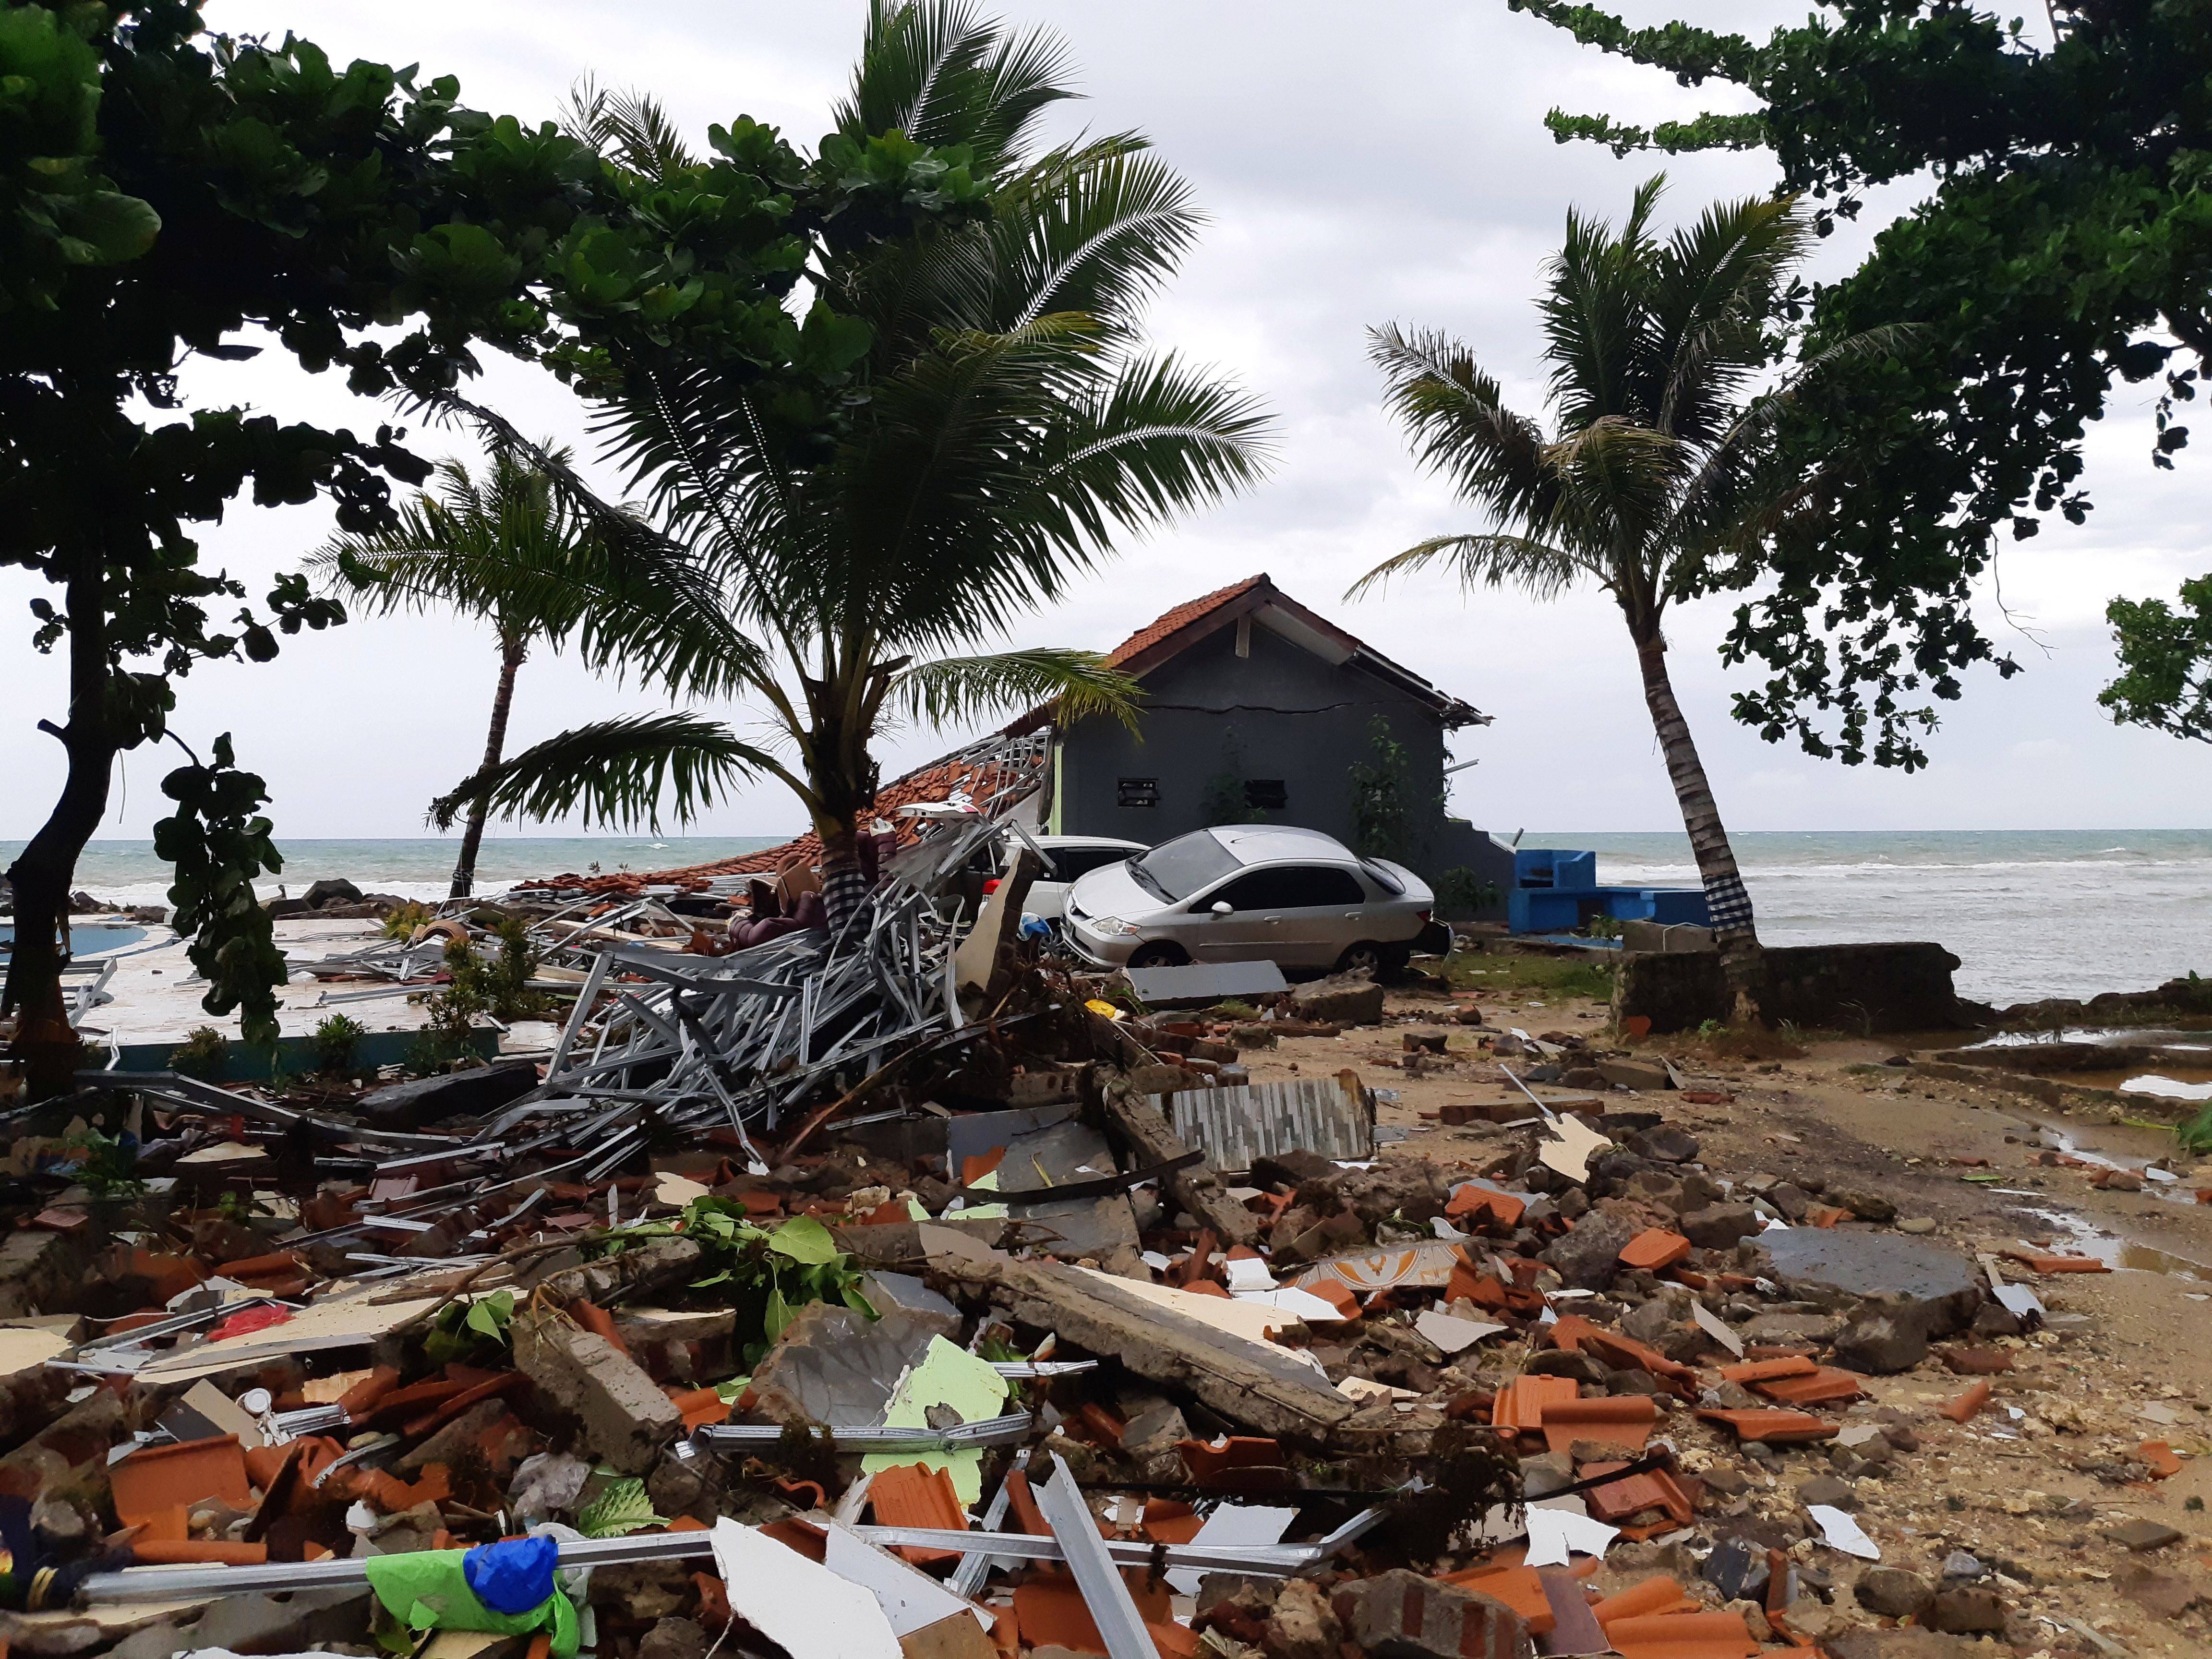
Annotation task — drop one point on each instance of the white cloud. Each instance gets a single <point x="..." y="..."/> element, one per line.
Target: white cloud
<point x="1359" y="166"/>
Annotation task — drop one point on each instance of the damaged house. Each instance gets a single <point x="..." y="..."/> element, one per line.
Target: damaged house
<point x="1259" y="710"/>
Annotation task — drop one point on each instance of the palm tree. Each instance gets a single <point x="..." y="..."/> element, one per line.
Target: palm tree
<point x="1657" y="467"/>
<point x="1007" y="426"/>
<point x="507" y="550"/>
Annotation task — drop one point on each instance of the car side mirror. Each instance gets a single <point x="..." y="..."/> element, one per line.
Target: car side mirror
<point x="1223" y="907"/>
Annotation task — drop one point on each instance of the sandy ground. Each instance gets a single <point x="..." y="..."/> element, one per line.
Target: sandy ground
<point x="2128" y="1357"/>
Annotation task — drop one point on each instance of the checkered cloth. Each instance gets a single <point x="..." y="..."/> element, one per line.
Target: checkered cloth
<point x="1730" y="905"/>
<point x="843" y="893"/>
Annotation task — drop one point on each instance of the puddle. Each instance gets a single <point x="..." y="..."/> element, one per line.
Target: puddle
<point x="2114" y="1252"/>
<point x="2157" y="1183"/>
<point x="2151" y="1082"/>
<point x="2150" y="1036"/>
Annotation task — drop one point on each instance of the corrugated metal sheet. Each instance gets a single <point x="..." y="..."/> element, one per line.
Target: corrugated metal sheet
<point x="1235" y="1127"/>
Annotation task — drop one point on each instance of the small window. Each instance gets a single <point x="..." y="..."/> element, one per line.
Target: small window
<point x="1266" y="794"/>
<point x="1137" y="792"/>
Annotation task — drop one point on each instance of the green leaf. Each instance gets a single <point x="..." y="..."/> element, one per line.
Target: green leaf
<point x="108" y="228"/>
<point x="490" y="1315"/>
<point x="622" y="1507"/>
<point x="779" y="1316"/>
<point x="806" y="1240"/>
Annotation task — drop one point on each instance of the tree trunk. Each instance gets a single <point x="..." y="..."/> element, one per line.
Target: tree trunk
<point x="512" y="651"/>
<point x="43" y="872"/>
<point x="1732" y="929"/>
<point x="844" y="889"/>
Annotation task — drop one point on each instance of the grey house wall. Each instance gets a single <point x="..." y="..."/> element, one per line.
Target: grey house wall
<point x="1281" y="712"/>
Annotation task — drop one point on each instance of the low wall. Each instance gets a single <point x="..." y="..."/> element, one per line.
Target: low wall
<point x="1866" y="988"/>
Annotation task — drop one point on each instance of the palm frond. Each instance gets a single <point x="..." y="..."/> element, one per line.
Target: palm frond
<point x="959" y="690"/>
<point x="1456" y="415"/>
<point x="940" y="72"/>
<point x="1538" y="568"/>
<point x="628" y="127"/>
<point x="613" y="773"/>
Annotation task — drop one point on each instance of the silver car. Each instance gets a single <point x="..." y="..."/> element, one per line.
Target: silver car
<point x="1250" y="892"/>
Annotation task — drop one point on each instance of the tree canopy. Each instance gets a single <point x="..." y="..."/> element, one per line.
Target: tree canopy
<point x="2064" y="251"/>
<point x="167" y="194"/>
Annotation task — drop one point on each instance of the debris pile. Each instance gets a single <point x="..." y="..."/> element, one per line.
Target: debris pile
<point x="915" y="1294"/>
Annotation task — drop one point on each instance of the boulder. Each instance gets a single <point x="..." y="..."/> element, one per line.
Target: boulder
<point x="1880" y="1345"/>
<point x="1663" y="1143"/>
<point x="338" y="892"/>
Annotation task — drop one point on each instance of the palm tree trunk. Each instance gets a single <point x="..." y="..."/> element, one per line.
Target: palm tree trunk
<point x="513" y="649"/>
<point x="1730" y="905"/>
<point x="844" y="888"/>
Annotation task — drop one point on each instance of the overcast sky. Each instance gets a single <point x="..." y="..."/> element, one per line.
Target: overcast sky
<point x="1359" y="165"/>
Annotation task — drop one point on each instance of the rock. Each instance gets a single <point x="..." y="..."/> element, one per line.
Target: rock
<point x="1154" y="1431"/>
<point x="626" y="1418"/>
<point x="472" y="1093"/>
<point x="1828" y="1489"/>
<point x="1353" y="998"/>
<point x="1960" y="1564"/>
<point x="1790" y="1200"/>
<point x="1965" y="1610"/>
<point x="1717" y="1226"/>
<point x="1880" y="1346"/>
<point x="1894" y="1593"/>
<point x="2140" y="1535"/>
<point x="1403" y="1615"/>
<point x="1590" y="1256"/>
<point x="1293" y="1167"/>
<point x="1663" y="1143"/>
<point x="1721" y="1477"/>
<point x="1557" y="1361"/>
<point x="674" y="1638"/>
<point x="1737" y="1569"/>
<point x="1866" y="1205"/>
<point x="340" y="891"/>
<point x="1302" y="1625"/>
<point x="1639" y="1074"/>
<point x="1919" y="1225"/>
<point x="2122" y="1181"/>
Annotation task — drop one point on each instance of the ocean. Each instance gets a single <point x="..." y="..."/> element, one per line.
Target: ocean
<point x="2029" y="913"/>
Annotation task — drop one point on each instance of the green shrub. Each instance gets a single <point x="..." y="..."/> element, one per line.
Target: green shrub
<point x="201" y="1054"/>
<point x="337" y="1042"/>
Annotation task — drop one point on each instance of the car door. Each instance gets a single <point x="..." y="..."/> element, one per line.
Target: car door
<point x="1288" y="914"/>
<point x="1321" y="911"/>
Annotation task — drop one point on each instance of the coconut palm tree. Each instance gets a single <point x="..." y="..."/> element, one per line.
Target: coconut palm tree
<point x="1006" y="427"/>
<point x="1658" y="466"/>
<point x="507" y="548"/>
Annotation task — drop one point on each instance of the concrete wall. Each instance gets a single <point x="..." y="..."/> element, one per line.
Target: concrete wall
<point x="1860" y="988"/>
<point x="1280" y="713"/>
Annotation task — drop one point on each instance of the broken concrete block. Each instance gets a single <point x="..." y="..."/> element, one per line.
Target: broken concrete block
<point x="981" y="963"/>
<point x="1353" y="998"/>
<point x="1880" y="1345"/>
<point x="1302" y="1625"/>
<point x="1403" y="1615"/>
<point x="2140" y="1535"/>
<point x="1638" y="1074"/>
<point x="626" y="1418"/>
<point x="1965" y="1610"/>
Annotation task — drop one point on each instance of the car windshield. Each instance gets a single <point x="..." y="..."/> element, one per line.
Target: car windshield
<point x="1176" y="869"/>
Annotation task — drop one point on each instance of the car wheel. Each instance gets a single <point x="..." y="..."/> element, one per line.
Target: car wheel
<point x="1158" y="954"/>
<point x="1385" y="962"/>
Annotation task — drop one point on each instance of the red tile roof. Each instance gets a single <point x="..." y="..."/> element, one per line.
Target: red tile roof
<point x="1179" y="618"/>
<point x="933" y="782"/>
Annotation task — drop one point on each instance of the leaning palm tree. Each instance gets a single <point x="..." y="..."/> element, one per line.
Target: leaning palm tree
<point x="506" y="548"/>
<point x="1006" y="427"/>
<point x="1657" y="467"/>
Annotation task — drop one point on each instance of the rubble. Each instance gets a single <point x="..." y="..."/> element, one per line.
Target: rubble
<point x="928" y="1291"/>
